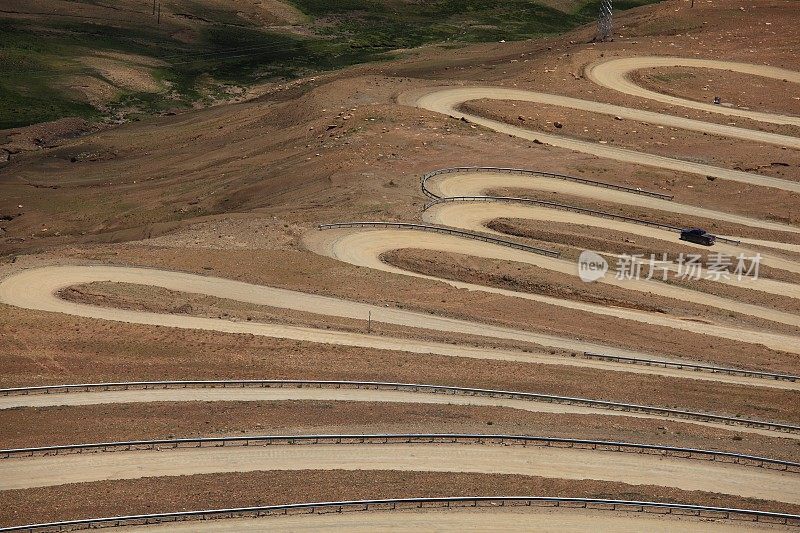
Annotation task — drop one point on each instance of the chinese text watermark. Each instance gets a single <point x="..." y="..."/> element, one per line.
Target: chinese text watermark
<point x="717" y="266"/>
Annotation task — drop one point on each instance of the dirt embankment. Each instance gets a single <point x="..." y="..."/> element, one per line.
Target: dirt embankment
<point x="162" y="494"/>
<point x="734" y="89"/>
<point x="736" y="154"/>
<point x="160" y="300"/>
<point x="534" y="280"/>
<point x="37" y="348"/>
<point x="678" y="220"/>
<point x="26" y="427"/>
<point x="309" y="272"/>
<point x="572" y="239"/>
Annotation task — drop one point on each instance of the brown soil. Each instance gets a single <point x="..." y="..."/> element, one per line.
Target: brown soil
<point x="312" y="273"/>
<point x="571" y="239"/>
<point x="256" y="175"/>
<point x="676" y="143"/>
<point x="126" y="75"/>
<point x="574" y="238"/>
<point x="530" y="279"/>
<point x="163" y="494"/>
<point x="44" y="135"/>
<point x="140" y="185"/>
<point x="662" y="217"/>
<point x="26" y="427"/>
<point x="38" y="348"/>
<point x="278" y="12"/>
<point x="739" y="90"/>
<point x="94" y="91"/>
<point x="154" y="299"/>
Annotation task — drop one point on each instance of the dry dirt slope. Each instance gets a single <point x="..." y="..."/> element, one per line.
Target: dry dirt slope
<point x="252" y="175"/>
<point x="121" y="61"/>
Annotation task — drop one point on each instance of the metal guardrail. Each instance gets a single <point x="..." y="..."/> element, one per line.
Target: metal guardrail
<point x="397" y="504"/>
<point x="437" y="199"/>
<point x="692" y="366"/>
<point x="413" y="387"/>
<point x="409" y="438"/>
<point x="445" y="230"/>
<point x="526" y="172"/>
<point x="567" y="207"/>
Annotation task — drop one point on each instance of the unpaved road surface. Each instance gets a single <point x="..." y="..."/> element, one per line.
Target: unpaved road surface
<point x="364" y="248"/>
<point x="614" y="75"/>
<point x="448" y="100"/>
<point x="575" y="464"/>
<point x="349" y="395"/>
<point x="38" y="289"/>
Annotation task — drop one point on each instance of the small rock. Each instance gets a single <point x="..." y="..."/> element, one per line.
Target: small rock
<point x="557" y="124"/>
<point x="537" y="141"/>
<point x="617" y="118"/>
<point x="711" y="178"/>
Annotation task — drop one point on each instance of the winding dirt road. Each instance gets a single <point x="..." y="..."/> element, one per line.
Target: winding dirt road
<point x="349" y="395"/>
<point x="614" y="75"/>
<point x="567" y="463"/>
<point x="478" y="183"/>
<point x="365" y="247"/>
<point x="36" y="289"/>
<point x="447" y="100"/>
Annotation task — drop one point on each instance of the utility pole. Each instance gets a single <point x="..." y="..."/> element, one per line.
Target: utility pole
<point x="159" y="12"/>
<point x="154" y="8"/>
<point x="369" y="322"/>
<point x="605" y="24"/>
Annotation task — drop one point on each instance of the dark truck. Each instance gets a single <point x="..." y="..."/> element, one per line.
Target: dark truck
<point x="698" y="236"/>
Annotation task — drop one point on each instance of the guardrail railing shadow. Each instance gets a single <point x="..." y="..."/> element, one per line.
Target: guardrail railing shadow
<point x="410" y="438"/>
<point x="692" y="366"/>
<point x="417" y="388"/>
<point x="444" y="230"/>
<point x="399" y="504"/>
<point x="565" y="207"/>
<point x="536" y="173"/>
<point x="554" y="205"/>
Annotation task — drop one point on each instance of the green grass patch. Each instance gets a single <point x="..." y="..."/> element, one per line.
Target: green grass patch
<point x="35" y="55"/>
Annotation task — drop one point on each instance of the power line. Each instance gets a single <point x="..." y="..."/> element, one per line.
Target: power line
<point x="605" y="23"/>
